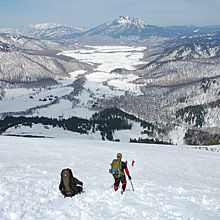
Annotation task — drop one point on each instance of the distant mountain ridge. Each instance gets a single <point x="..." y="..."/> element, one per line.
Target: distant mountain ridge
<point x="189" y="29"/>
<point x="50" y="31"/>
<point x="120" y="31"/>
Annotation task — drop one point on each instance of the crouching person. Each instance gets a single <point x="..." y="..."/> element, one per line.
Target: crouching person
<point x="69" y="185"/>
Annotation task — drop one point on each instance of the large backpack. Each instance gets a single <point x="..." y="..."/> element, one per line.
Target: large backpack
<point x="116" y="169"/>
<point x="68" y="188"/>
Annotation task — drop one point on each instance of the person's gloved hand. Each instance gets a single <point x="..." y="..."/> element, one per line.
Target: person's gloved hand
<point x="81" y="186"/>
<point x="129" y="177"/>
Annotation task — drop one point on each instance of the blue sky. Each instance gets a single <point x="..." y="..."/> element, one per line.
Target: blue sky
<point x="90" y="13"/>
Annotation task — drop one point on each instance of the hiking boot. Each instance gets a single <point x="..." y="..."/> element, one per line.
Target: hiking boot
<point x="122" y="191"/>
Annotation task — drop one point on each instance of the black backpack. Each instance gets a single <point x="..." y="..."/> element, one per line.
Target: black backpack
<point x="67" y="186"/>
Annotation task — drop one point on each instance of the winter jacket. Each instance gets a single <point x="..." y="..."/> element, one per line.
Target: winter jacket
<point x="124" y="167"/>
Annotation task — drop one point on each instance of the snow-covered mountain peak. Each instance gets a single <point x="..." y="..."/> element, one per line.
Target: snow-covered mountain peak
<point x="48" y="30"/>
<point x="130" y="20"/>
<point x="44" y="25"/>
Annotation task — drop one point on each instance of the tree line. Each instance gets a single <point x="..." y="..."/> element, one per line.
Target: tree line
<point x="107" y="122"/>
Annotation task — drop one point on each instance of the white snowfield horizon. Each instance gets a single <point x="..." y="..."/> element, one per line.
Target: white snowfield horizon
<point x="170" y="182"/>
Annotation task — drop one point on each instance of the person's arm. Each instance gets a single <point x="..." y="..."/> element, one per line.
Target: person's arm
<point x="77" y="182"/>
<point x="126" y="170"/>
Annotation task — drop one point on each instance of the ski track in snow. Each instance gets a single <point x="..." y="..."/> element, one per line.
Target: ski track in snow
<point x="171" y="182"/>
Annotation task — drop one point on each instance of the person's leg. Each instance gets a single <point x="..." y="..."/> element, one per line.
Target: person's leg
<point x="116" y="184"/>
<point x="124" y="182"/>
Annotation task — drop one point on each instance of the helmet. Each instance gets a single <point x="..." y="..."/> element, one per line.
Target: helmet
<point x="119" y="155"/>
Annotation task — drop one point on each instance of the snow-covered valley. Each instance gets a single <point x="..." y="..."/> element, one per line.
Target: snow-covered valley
<point x="170" y="182"/>
<point x="108" y="77"/>
<point x="41" y="101"/>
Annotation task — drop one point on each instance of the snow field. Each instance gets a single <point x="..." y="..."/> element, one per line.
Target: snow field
<point x="109" y="58"/>
<point x="171" y="182"/>
<point x="19" y="99"/>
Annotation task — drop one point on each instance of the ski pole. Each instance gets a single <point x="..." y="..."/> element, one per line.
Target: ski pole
<point x="132" y="185"/>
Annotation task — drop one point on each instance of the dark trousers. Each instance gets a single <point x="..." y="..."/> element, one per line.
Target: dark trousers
<point x="117" y="182"/>
<point x="79" y="189"/>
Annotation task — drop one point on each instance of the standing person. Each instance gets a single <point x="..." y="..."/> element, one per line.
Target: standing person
<point x="118" y="167"/>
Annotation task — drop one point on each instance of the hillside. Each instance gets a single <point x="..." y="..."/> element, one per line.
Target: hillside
<point x="29" y="43"/>
<point x="19" y="66"/>
<point x="27" y="60"/>
<point x="30" y="177"/>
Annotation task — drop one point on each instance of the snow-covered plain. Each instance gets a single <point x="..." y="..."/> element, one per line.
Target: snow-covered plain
<point x="109" y="58"/>
<point x="170" y="182"/>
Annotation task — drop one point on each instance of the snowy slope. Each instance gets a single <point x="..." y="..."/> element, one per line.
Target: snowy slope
<point x="171" y="182"/>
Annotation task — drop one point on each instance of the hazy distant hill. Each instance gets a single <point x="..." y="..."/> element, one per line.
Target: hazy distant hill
<point x="49" y="31"/>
